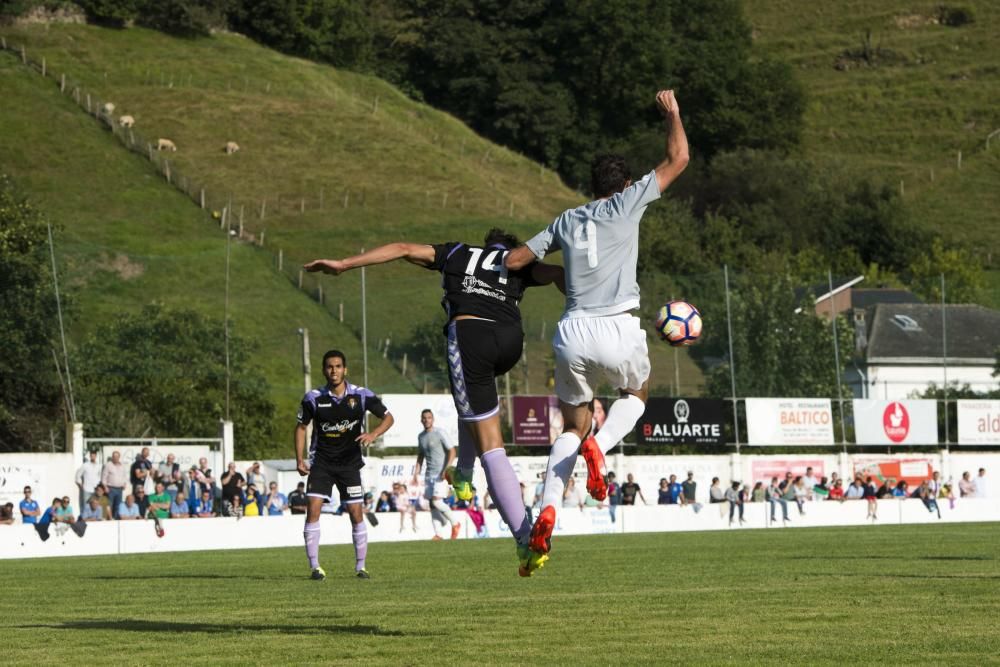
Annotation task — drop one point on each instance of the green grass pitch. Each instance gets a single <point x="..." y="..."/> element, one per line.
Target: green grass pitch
<point x="905" y="594"/>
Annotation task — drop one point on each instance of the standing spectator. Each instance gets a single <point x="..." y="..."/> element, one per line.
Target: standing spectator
<point x="297" y="499"/>
<point x="775" y="496"/>
<point x="114" y="477"/>
<point x="88" y="476"/>
<point x="203" y="475"/>
<point x="856" y="490"/>
<point x="966" y="487"/>
<point x="715" y="492"/>
<point x="404" y="506"/>
<point x="7" y="514"/>
<point x="675" y="492"/>
<point x="811" y="481"/>
<point x="759" y="494"/>
<point x="573" y="495"/>
<point x="141" y="469"/>
<point x="256" y="476"/>
<point x="690" y="488"/>
<point x="735" y="497"/>
<point x="276" y="503"/>
<point x="837" y="491"/>
<point x="630" y="490"/>
<point x="614" y="495"/>
<point x="251" y="507"/>
<point x="178" y="507"/>
<point x="93" y="511"/>
<point x="981" y="484"/>
<point x="870" y="495"/>
<point x="104" y="501"/>
<point x="202" y="507"/>
<point x="64" y="512"/>
<point x="663" y="492"/>
<point x="128" y="510"/>
<point x="142" y="501"/>
<point x="29" y="508"/>
<point x="159" y="502"/>
<point x="232" y="483"/>
<point x="169" y="473"/>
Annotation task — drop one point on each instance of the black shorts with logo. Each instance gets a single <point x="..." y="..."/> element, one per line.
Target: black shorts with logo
<point x="479" y="351"/>
<point x="322" y="478"/>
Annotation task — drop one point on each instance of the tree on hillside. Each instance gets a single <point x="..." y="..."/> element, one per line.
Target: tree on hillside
<point x="29" y="384"/>
<point x="163" y="372"/>
<point x="778" y="352"/>
<point x="962" y="273"/>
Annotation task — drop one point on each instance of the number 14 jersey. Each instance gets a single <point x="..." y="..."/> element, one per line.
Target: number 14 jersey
<point x="476" y="282"/>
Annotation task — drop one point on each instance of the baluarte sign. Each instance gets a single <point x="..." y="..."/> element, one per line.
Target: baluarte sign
<point x="789" y="421"/>
<point x="979" y="422"/>
<point x="676" y="421"/>
<point x="909" y="422"/>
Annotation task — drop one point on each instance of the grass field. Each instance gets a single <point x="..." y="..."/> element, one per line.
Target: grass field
<point x="885" y="595"/>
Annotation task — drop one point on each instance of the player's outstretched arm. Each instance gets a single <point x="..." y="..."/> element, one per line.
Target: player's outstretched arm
<point x="519" y="257"/>
<point x="416" y="253"/>
<point x="677" y="143"/>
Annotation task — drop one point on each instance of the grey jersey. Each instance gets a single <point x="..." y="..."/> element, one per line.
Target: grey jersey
<point x="434" y="446"/>
<point x="600" y="244"/>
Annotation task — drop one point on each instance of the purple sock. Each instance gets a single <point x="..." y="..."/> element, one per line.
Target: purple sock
<point x="466" y="450"/>
<point x="360" y="535"/>
<point x="505" y="490"/>
<point x="311" y="534"/>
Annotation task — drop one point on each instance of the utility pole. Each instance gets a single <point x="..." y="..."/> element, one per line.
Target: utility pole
<point x="306" y="373"/>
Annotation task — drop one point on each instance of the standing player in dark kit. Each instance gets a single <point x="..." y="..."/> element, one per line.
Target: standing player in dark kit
<point x="484" y="341"/>
<point x="337" y="413"/>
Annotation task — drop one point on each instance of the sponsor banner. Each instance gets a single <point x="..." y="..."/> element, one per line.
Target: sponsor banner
<point x="762" y="470"/>
<point x="531" y="419"/>
<point x="908" y="422"/>
<point x="406" y="409"/>
<point x="789" y="421"/>
<point x="979" y="422"/>
<point x="913" y="471"/>
<point x="681" y="421"/>
<point x="13" y="479"/>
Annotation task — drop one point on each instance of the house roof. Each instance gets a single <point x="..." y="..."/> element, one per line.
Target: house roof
<point x="865" y="298"/>
<point x="912" y="333"/>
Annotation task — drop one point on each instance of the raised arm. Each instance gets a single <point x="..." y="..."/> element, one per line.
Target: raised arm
<point x="677" y="143"/>
<point x="416" y="253"/>
<point x="519" y="257"/>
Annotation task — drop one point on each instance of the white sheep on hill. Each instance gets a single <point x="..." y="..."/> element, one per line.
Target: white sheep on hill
<point x="231" y="147"/>
<point x="126" y="121"/>
<point x="165" y="145"/>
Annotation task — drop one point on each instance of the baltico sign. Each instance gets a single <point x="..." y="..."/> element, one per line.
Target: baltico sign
<point x="678" y="421"/>
<point x="789" y="421"/>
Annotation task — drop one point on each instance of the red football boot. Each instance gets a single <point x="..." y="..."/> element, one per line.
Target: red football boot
<point x="597" y="472"/>
<point x="541" y="532"/>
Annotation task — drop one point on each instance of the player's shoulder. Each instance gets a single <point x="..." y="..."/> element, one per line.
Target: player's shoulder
<point x="358" y="390"/>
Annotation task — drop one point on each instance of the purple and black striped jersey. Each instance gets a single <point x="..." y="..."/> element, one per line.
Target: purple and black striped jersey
<point x="337" y="423"/>
<point x="476" y="282"/>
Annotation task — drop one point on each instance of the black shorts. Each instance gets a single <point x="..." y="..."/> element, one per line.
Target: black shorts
<point x="479" y="351"/>
<point x="322" y="478"/>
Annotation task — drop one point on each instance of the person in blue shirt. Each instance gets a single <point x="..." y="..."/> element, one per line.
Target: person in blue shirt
<point x="202" y="507"/>
<point x="128" y="510"/>
<point x="671" y="493"/>
<point x="179" y="507"/>
<point x="29" y="508"/>
<point x="902" y="490"/>
<point x="93" y="511"/>
<point x="276" y="502"/>
<point x="50" y="514"/>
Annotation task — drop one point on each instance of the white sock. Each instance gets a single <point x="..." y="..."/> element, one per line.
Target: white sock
<point x="622" y="418"/>
<point x="562" y="459"/>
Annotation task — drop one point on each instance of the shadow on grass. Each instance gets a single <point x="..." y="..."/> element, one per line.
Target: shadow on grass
<point x="157" y="626"/>
<point x="179" y="576"/>
<point x="960" y="558"/>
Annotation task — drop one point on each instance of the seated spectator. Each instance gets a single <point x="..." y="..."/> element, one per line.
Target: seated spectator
<point x="902" y="490"/>
<point x="93" y="511"/>
<point x="298" y="501"/>
<point x="821" y="491"/>
<point x="128" y="509"/>
<point x="715" y="492"/>
<point x="934" y="484"/>
<point x="276" y="503"/>
<point x="7" y="514"/>
<point x="179" y="508"/>
<point x="573" y="495"/>
<point x="758" y="494"/>
<point x="800" y="493"/>
<point x="735" y="497"/>
<point x="949" y="493"/>
<point x="786" y="483"/>
<point x="384" y="503"/>
<point x="100" y="493"/>
<point x="927" y="497"/>
<point x="202" y="507"/>
<point x="966" y="487"/>
<point x="886" y="490"/>
<point x="836" y="491"/>
<point x="856" y="489"/>
<point x="871" y="497"/>
<point x="64" y="513"/>
<point x="775" y="496"/>
<point x="159" y="502"/>
<point x="142" y="501"/>
<point x="30" y="510"/>
<point x="252" y="505"/>
<point x="834" y="478"/>
<point x="233" y="507"/>
<point x="811" y="482"/>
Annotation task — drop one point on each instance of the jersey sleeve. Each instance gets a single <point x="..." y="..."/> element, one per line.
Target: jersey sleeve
<point x="636" y="197"/>
<point x="306" y="410"/>
<point x="442" y="251"/>
<point x="374" y="404"/>
<point x="448" y="444"/>
<point x="544" y="241"/>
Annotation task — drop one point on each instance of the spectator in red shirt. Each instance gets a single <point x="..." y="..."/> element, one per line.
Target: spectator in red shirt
<point x="837" y="491"/>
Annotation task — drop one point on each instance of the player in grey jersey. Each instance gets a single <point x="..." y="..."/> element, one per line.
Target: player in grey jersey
<point x="597" y="339"/>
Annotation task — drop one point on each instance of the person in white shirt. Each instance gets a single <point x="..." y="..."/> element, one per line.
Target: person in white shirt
<point x="981" y="485"/>
<point x="810" y="482"/>
<point x="88" y="476"/>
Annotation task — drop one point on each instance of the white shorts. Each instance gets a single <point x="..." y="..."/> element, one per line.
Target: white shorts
<point x="592" y="350"/>
<point x="435" y="487"/>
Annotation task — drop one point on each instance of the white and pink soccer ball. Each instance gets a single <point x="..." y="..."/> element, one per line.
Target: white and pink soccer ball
<point x="678" y="323"/>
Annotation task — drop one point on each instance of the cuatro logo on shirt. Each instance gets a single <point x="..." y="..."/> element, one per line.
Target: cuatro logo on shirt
<point x="896" y="421"/>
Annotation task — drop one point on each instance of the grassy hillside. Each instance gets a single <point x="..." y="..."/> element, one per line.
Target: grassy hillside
<point x="337" y="161"/>
<point x="931" y="91"/>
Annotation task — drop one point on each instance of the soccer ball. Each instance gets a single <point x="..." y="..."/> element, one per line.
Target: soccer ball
<point x="679" y="323"/>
